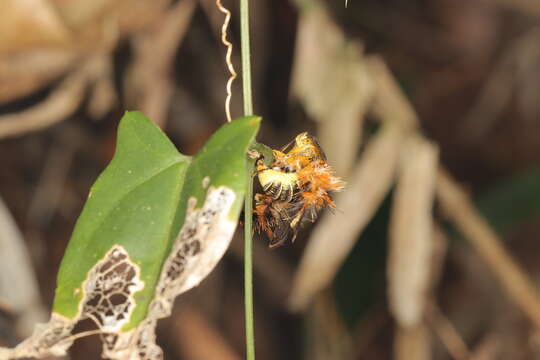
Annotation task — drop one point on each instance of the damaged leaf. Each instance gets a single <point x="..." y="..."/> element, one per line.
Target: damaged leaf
<point x="132" y="204"/>
<point x="154" y="225"/>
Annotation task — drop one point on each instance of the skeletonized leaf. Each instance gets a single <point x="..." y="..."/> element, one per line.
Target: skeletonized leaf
<point x="131" y="206"/>
<point x="210" y="202"/>
<point x="154" y="225"/>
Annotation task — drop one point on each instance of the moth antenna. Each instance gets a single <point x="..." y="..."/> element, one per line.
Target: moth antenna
<point x="284" y="148"/>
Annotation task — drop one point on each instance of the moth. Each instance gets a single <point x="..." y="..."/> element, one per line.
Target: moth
<point x="296" y="187"/>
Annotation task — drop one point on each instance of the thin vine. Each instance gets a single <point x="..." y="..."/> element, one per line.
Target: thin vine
<point x="228" y="55"/>
<point x="246" y="57"/>
<point x="248" y="206"/>
<point x="248" y="263"/>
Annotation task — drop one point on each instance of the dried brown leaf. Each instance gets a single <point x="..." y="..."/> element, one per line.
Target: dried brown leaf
<point x="411" y="237"/>
<point x="103" y="95"/>
<point x="331" y="80"/>
<point x="29" y="23"/>
<point x="62" y="102"/>
<point x="21" y="74"/>
<point x="148" y="82"/>
<point x="412" y="343"/>
<point x="85" y="17"/>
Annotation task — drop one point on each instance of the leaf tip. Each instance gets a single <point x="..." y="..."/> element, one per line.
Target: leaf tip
<point x="135" y="114"/>
<point x="255" y="120"/>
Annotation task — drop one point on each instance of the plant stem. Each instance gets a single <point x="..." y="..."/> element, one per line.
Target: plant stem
<point x="248" y="206"/>
<point x="248" y="262"/>
<point x="246" y="57"/>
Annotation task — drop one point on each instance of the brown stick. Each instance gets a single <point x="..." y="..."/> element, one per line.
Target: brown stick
<point x="448" y="334"/>
<point x="392" y="106"/>
<point x="149" y="81"/>
<point x="410" y="233"/>
<point x="61" y="103"/>
<point x="412" y="343"/>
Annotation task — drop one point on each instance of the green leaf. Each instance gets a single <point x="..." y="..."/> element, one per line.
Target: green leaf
<point x="136" y="209"/>
<point x="132" y="204"/>
<point x="154" y="225"/>
<point x="223" y="160"/>
<point x="221" y="163"/>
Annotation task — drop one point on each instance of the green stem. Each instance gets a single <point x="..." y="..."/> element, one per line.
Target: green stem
<point x="246" y="57"/>
<point x="248" y="262"/>
<point x="248" y="207"/>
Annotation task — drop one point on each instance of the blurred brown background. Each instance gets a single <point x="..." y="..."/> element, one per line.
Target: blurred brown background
<point x="430" y="109"/>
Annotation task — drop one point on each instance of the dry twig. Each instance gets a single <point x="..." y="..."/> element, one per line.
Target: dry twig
<point x="326" y="59"/>
<point x="62" y="102"/>
<point x="411" y="248"/>
<point x="411" y="238"/>
<point x="21" y="74"/>
<point x="148" y="82"/>
<point x="391" y="106"/>
<point x="448" y="334"/>
<point x="412" y="343"/>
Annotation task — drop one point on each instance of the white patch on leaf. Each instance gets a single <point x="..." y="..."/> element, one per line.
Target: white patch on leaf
<point x="201" y="243"/>
<point x="107" y="300"/>
<point x="205" y="182"/>
<point x="109" y="288"/>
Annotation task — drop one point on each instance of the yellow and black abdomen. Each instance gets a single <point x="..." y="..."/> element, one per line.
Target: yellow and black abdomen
<point x="278" y="184"/>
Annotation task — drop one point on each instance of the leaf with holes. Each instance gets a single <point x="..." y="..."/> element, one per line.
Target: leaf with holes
<point x="154" y="225"/>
